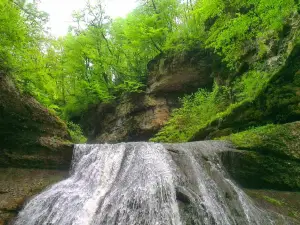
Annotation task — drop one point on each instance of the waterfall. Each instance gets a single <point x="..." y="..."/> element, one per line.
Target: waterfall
<point x="145" y="184"/>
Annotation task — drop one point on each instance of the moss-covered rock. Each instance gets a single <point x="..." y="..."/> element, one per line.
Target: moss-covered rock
<point x="30" y="135"/>
<point x="268" y="157"/>
<point x="278" y="102"/>
<point x="277" y="140"/>
<point x="254" y="170"/>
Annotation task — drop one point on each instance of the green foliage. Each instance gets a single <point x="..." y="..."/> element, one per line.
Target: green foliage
<point x="68" y="74"/>
<point x="12" y="32"/>
<point x="250" y="84"/>
<point x="197" y="109"/>
<point x="76" y="133"/>
<point x="129" y="87"/>
<point x="100" y="59"/>
<point x="243" y="26"/>
<point x="203" y="108"/>
<point x="22" y="40"/>
<point x="231" y="28"/>
<point x="276" y="139"/>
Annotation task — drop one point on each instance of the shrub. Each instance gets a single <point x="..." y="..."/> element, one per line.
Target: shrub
<point x="197" y="109"/>
<point x="76" y="133"/>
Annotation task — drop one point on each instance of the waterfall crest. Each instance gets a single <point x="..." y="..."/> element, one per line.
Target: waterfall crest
<point x="145" y="184"/>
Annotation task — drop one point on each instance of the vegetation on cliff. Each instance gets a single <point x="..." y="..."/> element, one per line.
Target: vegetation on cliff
<point x="281" y="140"/>
<point x="255" y="88"/>
<point x="101" y="58"/>
<point x="268" y="157"/>
<point x="263" y="57"/>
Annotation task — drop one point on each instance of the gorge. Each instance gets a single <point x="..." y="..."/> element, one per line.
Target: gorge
<point x="184" y="112"/>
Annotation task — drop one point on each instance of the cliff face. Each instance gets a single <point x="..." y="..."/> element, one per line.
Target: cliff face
<point x="30" y="136"/>
<point x="138" y="116"/>
<point x="17" y="185"/>
<point x="278" y="102"/>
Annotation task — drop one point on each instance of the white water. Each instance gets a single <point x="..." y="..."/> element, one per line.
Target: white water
<point x="144" y="184"/>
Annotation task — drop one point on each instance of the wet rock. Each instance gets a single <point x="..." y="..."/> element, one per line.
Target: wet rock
<point x="283" y="202"/>
<point x="266" y="157"/>
<point x="262" y="171"/>
<point x="18" y="185"/>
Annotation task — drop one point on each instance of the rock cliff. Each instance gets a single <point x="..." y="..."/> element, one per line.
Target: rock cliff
<point x="278" y="102"/>
<point x="138" y="116"/>
<point x="30" y="135"/>
<point x="32" y="140"/>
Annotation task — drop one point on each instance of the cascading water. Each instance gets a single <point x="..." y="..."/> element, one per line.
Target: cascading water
<point x="145" y="184"/>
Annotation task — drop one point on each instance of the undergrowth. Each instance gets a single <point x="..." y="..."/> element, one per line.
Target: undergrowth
<point x="76" y="133"/>
<point x="200" y="109"/>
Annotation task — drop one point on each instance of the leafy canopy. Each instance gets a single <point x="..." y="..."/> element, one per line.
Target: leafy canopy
<point x="101" y="59"/>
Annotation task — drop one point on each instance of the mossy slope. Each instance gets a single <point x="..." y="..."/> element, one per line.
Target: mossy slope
<point x="278" y="102"/>
<point x="282" y="202"/>
<point x="268" y="157"/>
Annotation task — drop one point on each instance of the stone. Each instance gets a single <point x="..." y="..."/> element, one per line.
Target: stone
<point x="184" y="72"/>
<point x="139" y="116"/>
<point x="31" y="136"/>
<point x="278" y="102"/>
<point x="136" y="118"/>
<point x="256" y="170"/>
<point x="18" y="185"/>
<point x="282" y="202"/>
<point x="266" y="157"/>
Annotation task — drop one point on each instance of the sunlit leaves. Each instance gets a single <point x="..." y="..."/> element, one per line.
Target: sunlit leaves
<point x="239" y="25"/>
<point x="102" y="58"/>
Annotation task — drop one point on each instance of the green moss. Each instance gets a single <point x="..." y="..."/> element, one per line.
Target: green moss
<point x="273" y="200"/>
<point x="281" y="140"/>
<point x="270" y="156"/>
<point x="255" y="170"/>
